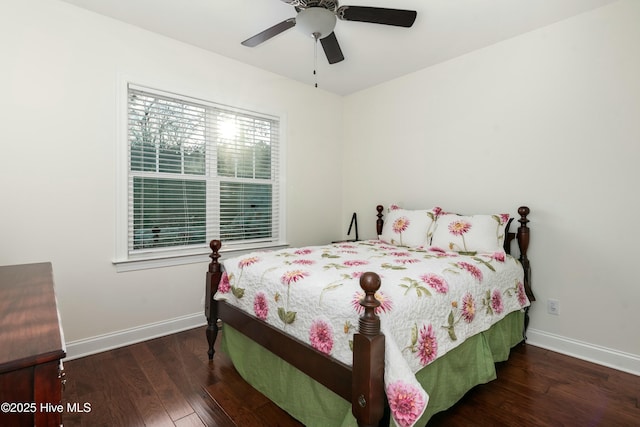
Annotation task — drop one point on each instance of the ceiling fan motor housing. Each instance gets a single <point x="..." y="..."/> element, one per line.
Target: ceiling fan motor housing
<point x="316" y="22"/>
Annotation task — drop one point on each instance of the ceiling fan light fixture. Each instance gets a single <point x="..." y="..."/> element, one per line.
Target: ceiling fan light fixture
<point x="316" y="22"/>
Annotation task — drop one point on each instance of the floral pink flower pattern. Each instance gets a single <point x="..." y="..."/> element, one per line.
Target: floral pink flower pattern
<point x="385" y="302"/>
<point x="522" y="295"/>
<point x="388" y="248"/>
<point x="498" y="256"/>
<point x="496" y="302"/>
<point x="261" y="306"/>
<point x="303" y="262"/>
<point x="246" y="262"/>
<point x="468" y="308"/>
<point x="475" y="271"/>
<point x="293" y="276"/>
<point x="348" y="251"/>
<point x="304" y="251"/>
<point x="437" y="249"/>
<point x="406" y="260"/>
<point x="427" y="345"/>
<point x="399" y="225"/>
<point x="321" y="336"/>
<point x="400" y="254"/>
<point x="438" y="283"/>
<point x="406" y="403"/>
<point x="355" y="262"/>
<point x="224" y="286"/>
<point x="357" y="274"/>
<point x="441" y="253"/>
<point x="347" y="246"/>
<point x="458" y="228"/>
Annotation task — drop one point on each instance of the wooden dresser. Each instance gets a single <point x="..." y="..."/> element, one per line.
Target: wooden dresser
<point x="31" y="347"/>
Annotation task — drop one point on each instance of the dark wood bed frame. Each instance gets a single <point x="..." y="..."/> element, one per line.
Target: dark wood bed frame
<point x="362" y="384"/>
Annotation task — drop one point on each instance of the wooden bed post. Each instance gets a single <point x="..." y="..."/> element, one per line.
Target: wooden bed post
<point x="523" y="245"/>
<point x="214" y="274"/>
<point x="367" y="400"/>
<point x="379" y="221"/>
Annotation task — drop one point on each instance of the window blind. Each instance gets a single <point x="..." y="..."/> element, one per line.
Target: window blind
<point x="198" y="171"/>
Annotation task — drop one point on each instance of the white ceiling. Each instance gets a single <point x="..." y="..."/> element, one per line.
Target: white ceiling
<point x="373" y="53"/>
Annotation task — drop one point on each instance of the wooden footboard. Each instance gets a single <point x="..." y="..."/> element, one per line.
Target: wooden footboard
<point x="362" y="384"/>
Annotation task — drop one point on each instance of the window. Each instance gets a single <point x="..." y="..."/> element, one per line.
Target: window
<point x="198" y="171"/>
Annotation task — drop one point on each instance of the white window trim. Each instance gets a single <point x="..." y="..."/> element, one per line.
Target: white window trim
<point x="122" y="260"/>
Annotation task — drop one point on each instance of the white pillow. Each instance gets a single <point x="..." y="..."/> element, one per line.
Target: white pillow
<point x="470" y="234"/>
<point x="410" y="228"/>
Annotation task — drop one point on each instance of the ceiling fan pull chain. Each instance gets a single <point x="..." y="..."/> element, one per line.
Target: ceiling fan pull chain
<point x="315" y="57"/>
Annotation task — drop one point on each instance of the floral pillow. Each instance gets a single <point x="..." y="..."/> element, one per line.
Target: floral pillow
<point x="412" y="228"/>
<point x="470" y="234"/>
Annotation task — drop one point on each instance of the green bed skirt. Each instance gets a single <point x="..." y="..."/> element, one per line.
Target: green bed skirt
<point x="446" y="380"/>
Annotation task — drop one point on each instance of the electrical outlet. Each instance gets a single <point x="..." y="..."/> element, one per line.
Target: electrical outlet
<point x="553" y="306"/>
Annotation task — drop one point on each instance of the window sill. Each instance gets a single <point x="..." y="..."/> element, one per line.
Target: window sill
<point x="151" y="262"/>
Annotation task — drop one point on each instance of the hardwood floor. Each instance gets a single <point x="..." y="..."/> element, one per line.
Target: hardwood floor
<point x="169" y="382"/>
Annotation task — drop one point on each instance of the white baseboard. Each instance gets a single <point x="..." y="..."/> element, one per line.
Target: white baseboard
<point x="615" y="359"/>
<point x="100" y="343"/>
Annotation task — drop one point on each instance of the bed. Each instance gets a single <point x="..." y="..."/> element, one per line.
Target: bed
<point x="384" y="371"/>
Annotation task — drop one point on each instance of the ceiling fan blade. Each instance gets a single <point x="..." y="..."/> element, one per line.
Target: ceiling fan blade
<point x="269" y="32"/>
<point x="378" y="15"/>
<point x="332" y="48"/>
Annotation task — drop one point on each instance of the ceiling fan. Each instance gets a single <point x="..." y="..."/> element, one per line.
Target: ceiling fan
<point x="317" y="18"/>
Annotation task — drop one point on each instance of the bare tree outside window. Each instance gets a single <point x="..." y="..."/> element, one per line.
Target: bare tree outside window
<point x="196" y="169"/>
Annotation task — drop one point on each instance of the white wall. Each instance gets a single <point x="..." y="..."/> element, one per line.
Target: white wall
<point x="59" y="74"/>
<point x="550" y="119"/>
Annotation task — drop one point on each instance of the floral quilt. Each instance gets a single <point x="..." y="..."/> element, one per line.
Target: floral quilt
<point x="431" y="301"/>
